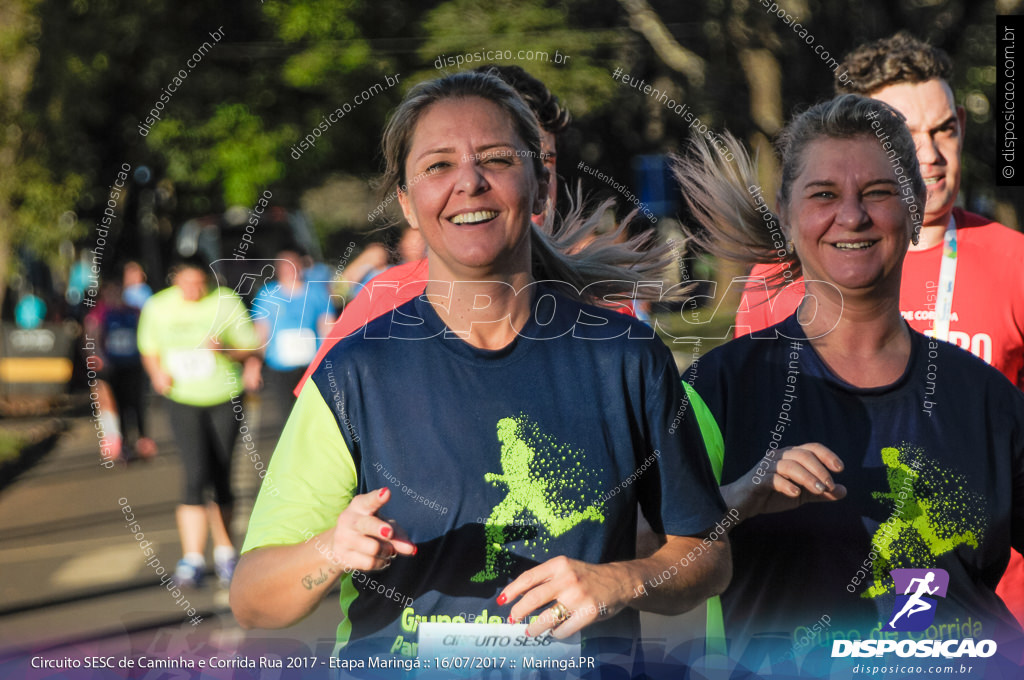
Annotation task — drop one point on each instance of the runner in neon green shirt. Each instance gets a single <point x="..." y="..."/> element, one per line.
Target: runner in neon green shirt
<point x="193" y="343"/>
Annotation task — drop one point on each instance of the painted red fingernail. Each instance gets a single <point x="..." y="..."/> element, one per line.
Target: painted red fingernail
<point x="380" y="494"/>
<point x="527" y="632"/>
<point x="385" y="532"/>
<point x="502" y="599"/>
<point x="513" y="619"/>
<point x="415" y="549"/>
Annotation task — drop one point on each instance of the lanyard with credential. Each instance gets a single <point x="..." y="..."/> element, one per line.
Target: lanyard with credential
<point x="947" y="280"/>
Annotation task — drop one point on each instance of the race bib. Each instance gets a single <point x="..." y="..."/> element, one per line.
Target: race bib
<point x="121" y="342"/>
<point x="191" y="364"/>
<point x="462" y="645"/>
<point x="295" y="346"/>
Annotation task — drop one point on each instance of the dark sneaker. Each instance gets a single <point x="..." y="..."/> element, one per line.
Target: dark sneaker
<point x="188" y="575"/>
<point x="225" y="570"/>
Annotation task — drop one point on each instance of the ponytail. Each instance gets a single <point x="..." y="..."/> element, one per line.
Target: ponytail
<point x="733" y="220"/>
<point x="599" y="265"/>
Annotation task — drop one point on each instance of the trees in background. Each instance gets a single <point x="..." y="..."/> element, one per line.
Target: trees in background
<point x="76" y="82"/>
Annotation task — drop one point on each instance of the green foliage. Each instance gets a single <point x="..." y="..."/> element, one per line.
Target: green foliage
<point x="43" y="206"/>
<point x="310" y="69"/>
<point x="34" y="195"/>
<point x="231" y="149"/>
<point x="311" y="20"/>
<point x="581" y="82"/>
<point x="75" y="83"/>
<point x="332" y="38"/>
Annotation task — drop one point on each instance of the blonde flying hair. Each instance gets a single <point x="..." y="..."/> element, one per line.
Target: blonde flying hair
<point x="733" y="225"/>
<point x="598" y="268"/>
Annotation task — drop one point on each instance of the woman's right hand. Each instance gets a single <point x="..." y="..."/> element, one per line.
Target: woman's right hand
<point x="362" y="541"/>
<point x="278" y="585"/>
<point x="162" y="382"/>
<point x="794" y="476"/>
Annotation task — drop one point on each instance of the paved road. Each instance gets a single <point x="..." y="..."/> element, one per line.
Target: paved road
<point x="76" y="580"/>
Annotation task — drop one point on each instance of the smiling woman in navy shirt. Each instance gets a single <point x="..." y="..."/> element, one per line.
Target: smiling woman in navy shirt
<point x="534" y="423"/>
<point x="917" y="453"/>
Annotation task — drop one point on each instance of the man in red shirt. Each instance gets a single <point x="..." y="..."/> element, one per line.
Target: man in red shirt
<point x="399" y="284"/>
<point x="964" y="280"/>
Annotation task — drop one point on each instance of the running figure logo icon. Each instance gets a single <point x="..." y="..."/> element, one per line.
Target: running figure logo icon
<point x="914" y="610"/>
<point x="545" y="480"/>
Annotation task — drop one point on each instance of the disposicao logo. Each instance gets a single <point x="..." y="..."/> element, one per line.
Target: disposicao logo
<point x="914" y="610"/>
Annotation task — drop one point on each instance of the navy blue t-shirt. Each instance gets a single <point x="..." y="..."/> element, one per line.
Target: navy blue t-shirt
<point x="120" y="328"/>
<point x="934" y="467"/>
<point x="500" y="460"/>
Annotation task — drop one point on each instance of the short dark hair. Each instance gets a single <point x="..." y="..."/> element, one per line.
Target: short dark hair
<point x="551" y="115"/>
<point x="196" y="261"/>
<point x="900" y="58"/>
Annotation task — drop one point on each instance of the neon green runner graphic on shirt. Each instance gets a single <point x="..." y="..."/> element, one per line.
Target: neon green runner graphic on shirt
<point x="545" y="480"/>
<point x="934" y="513"/>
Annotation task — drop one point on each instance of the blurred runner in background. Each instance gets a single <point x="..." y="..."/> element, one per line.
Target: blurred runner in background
<point x="136" y="290"/>
<point x="291" y="316"/>
<point x="194" y="343"/>
<point x="112" y="326"/>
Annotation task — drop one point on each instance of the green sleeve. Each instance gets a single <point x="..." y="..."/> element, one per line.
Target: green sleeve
<point x="310" y="480"/>
<point x="714" y="632"/>
<point x="713" y="441"/>
<point x="238" y="327"/>
<point x="147" y="335"/>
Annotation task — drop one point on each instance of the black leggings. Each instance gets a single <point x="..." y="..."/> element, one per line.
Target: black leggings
<point x="277" y="399"/>
<point x="128" y="384"/>
<point x="205" y="436"/>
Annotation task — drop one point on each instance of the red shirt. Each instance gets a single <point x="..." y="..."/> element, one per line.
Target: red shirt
<point x="987" y="315"/>
<point x="988" y="300"/>
<point x="388" y="290"/>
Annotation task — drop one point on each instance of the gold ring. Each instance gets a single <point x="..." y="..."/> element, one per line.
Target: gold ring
<point x="561" y="613"/>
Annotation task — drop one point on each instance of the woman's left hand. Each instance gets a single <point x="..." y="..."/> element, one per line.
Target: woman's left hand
<point x="587" y="592"/>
